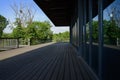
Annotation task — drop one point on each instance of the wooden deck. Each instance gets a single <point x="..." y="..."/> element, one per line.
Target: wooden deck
<point x="53" y="62"/>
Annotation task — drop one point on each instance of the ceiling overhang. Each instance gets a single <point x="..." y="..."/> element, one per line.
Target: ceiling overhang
<point x="61" y="11"/>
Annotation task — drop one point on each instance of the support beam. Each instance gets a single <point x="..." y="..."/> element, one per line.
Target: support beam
<point x="90" y="32"/>
<point x="100" y="20"/>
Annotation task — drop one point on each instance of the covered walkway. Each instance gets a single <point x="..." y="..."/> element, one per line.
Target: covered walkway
<point x="62" y="61"/>
<point x="57" y="61"/>
<point x="78" y="15"/>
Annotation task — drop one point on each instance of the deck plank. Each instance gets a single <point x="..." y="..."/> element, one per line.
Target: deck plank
<point x="54" y="62"/>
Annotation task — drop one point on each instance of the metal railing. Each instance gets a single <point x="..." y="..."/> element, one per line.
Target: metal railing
<point x="8" y="43"/>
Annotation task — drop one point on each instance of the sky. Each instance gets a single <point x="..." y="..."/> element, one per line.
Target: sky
<point x="7" y="12"/>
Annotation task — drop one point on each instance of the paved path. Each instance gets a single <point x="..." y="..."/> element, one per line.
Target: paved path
<point x="58" y="61"/>
<point x="14" y="52"/>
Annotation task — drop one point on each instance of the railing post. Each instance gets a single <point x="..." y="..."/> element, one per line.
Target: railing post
<point x="100" y="20"/>
<point x="3" y="43"/>
<point x="29" y="42"/>
<point x="17" y="42"/>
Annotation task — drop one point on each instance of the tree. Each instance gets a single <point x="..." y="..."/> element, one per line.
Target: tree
<point x="23" y="14"/>
<point x="3" y="24"/>
<point x="26" y="28"/>
<point x="7" y="35"/>
<point x="43" y="30"/>
<point x="111" y="31"/>
<point x="39" y="32"/>
<point x="95" y="31"/>
<point x="114" y="14"/>
<point x="31" y="31"/>
<point x="61" y="37"/>
<point x="18" y="32"/>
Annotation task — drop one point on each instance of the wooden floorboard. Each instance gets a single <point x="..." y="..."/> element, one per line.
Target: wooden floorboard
<point x="54" y="62"/>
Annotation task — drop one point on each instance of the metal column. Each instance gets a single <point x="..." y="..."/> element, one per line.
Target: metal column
<point x="90" y="32"/>
<point x="84" y="30"/>
<point x="71" y="30"/>
<point x="100" y="20"/>
<point x="80" y="24"/>
<point x="70" y="34"/>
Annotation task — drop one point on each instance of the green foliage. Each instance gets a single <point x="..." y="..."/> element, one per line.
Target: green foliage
<point x="111" y="32"/>
<point x="61" y="37"/>
<point x="18" y="32"/>
<point x="36" y="31"/>
<point x="7" y="35"/>
<point x="43" y="30"/>
<point x="39" y="32"/>
<point x="3" y="24"/>
<point x="31" y="31"/>
<point x="95" y="31"/>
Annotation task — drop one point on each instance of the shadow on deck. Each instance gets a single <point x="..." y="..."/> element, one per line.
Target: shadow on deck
<point x="53" y="62"/>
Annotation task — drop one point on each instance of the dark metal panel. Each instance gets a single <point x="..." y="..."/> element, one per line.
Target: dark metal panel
<point x="80" y="24"/>
<point x="70" y="34"/>
<point x="100" y="20"/>
<point x="84" y="29"/>
<point x="90" y="32"/>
